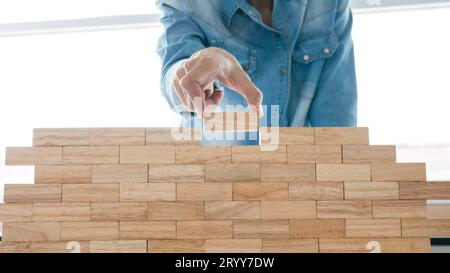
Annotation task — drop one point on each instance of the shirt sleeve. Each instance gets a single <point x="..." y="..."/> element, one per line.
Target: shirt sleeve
<point x="335" y="101"/>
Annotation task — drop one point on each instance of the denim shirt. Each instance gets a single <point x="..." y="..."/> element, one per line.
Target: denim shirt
<point x="304" y="62"/>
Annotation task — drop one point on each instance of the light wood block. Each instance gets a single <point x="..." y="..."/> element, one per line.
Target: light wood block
<point x="33" y="155"/>
<point x="90" y="155"/>
<point x="147" y="230"/>
<point x="86" y="231"/>
<point x="256" y="154"/>
<point x="230" y="121"/>
<point x="147" y="192"/>
<point x="31" y="231"/>
<point x="344" y="209"/>
<point x="59" y="247"/>
<point x="369" y="154"/>
<point x="290" y="245"/>
<point x="62" y="174"/>
<point x="85" y="193"/>
<point x="176" y="210"/>
<point x="15" y="212"/>
<point x="267" y="191"/>
<point x="203" y="154"/>
<point x="120" y="173"/>
<point x="399" y="209"/>
<point x="399" y="172"/>
<point x="124" y="211"/>
<point x="204" y="191"/>
<point x="371" y="190"/>
<point x="14" y="247"/>
<point x="60" y="137"/>
<point x="232" y="173"/>
<point x="425" y="190"/>
<point x="261" y="229"/>
<point x="288" y="209"/>
<point x="341" y="136"/>
<point x="173" y="136"/>
<point x="391" y="245"/>
<point x="287" y="172"/>
<point x="438" y="211"/>
<point x="283" y="136"/>
<point x="135" y="246"/>
<point x="176" y="173"/>
<point x="176" y="246"/>
<point x="117" y="136"/>
<point x="43" y="212"/>
<point x="373" y="228"/>
<point x="438" y="228"/>
<point x="233" y="246"/>
<point x="317" y="228"/>
<point x="228" y="210"/>
<point x="29" y="193"/>
<point x="147" y="154"/>
<point x="343" y="172"/>
<point x="314" y="154"/>
<point x="208" y="229"/>
<point x="316" y="191"/>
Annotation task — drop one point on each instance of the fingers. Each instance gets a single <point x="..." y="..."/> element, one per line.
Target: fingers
<point x="213" y="101"/>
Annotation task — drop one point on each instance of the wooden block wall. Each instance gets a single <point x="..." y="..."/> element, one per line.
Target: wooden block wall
<point x="140" y="190"/>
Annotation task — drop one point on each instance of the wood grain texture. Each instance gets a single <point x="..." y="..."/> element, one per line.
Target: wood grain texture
<point x="60" y="137"/>
<point x="399" y="209"/>
<point x="288" y="209"/>
<point x="61" y="174"/>
<point x="425" y="190"/>
<point x="134" y="173"/>
<point x="371" y="190"/>
<point x="86" y="231"/>
<point x="15" y="212"/>
<point x="230" y="121"/>
<point x="203" y="154"/>
<point x="314" y="154"/>
<point x="204" y="191"/>
<point x="176" y="173"/>
<point x="388" y="245"/>
<point x="176" y="246"/>
<point x="173" y="136"/>
<point x="399" y="172"/>
<point x="90" y="155"/>
<point x="29" y="193"/>
<point x="233" y="246"/>
<point x="369" y="154"/>
<point x="14" y="247"/>
<point x="438" y="211"/>
<point x="290" y="245"/>
<point x="117" y="136"/>
<point x="176" y="210"/>
<point x="147" y="154"/>
<point x="268" y="191"/>
<point x="82" y="193"/>
<point x="232" y="173"/>
<point x="124" y="211"/>
<point x="147" y="192"/>
<point x="31" y="231"/>
<point x="438" y="228"/>
<point x="131" y="246"/>
<point x="317" y="228"/>
<point x="57" y="247"/>
<point x="33" y="155"/>
<point x="343" y="172"/>
<point x="261" y="229"/>
<point x="147" y="230"/>
<point x="373" y="228"/>
<point x="341" y="136"/>
<point x="208" y="229"/>
<point x="59" y="212"/>
<point x="316" y="191"/>
<point x="228" y="210"/>
<point x="287" y="172"/>
<point x="289" y="136"/>
<point x="255" y="154"/>
<point x="344" y="209"/>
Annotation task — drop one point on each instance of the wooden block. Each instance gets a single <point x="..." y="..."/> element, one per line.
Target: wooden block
<point x="173" y="136"/>
<point x="343" y="172"/>
<point x="228" y="210"/>
<point x="399" y="172"/>
<point x="317" y="228"/>
<point x="15" y="212"/>
<point x="288" y="209"/>
<point x="373" y="228"/>
<point x="287" y="172"/>
<point x="61" y="174"/>
<point x="204" y="191"/>
<point x="438" y="211"/>
<point x="233" y="246"/>
<point x="256" y="154"/>
<point x="176" y="173"/>
<point x="125" y="211"/>
<point x="399" y="209"/>
<point x="147" y="192"/>
<point x="147" y="154"/>
<point x="341" y="136"/>
<point x="391" y="245"/>
<point x="60" y="137"/>
<point x="270" y="191"/>
<point x="230" y="121"/>
<point x="208" y="229"/>
<point x="425" y="190"/>
<point x="31" y="231"/>
<point x="33" y="155"/>
<point x="43" y="212"/>
<point x="261" y="229"/>
<point x="290" y="245"/>
<point x="29" y="193"/>
<point x="176" y="210"/>
<point x="90" y="155"/>
<point x="86" y="231"/>
<point x="117" y="136"/>
<point x="371" y="190"/>
<point x="147" y="230"/>
<point x="135" y="246"/>
<point x="438" y="228"/>
<point x="232" y="173"/>
<point x="176" y="246"/>
<point x="82" y="193"/>
<point x="203" y="154"/>
<point x="59" y="247"/>
<point x="14" y="247"/>
<point x="316" y="191"/>
<point x="283" y="136"/>
<point x="120" y="173"/>
<point x="344" y="209"/>
<point x="369" y="154"/>
<point x="314" y="154"/>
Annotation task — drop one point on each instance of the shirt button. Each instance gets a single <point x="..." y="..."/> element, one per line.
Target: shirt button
<point x="306" y="57"/>
<point x="326" y="50"/>
<point x="284" y="70"/>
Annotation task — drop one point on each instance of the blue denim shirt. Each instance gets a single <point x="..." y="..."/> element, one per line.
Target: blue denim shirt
<point x="304" y="62"/>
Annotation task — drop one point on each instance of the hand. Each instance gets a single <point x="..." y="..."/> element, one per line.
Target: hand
<point x="194" y="78"/>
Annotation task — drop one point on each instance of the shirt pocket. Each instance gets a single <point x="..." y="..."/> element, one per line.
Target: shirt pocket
<point x="245" y="56"/>
<point x="315" y="47"/>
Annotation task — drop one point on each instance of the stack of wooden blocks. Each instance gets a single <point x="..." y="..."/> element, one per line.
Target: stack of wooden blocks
<point x="139" y="190"/>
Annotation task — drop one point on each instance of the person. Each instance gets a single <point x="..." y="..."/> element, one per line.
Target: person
<point x="296" y="55"/>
